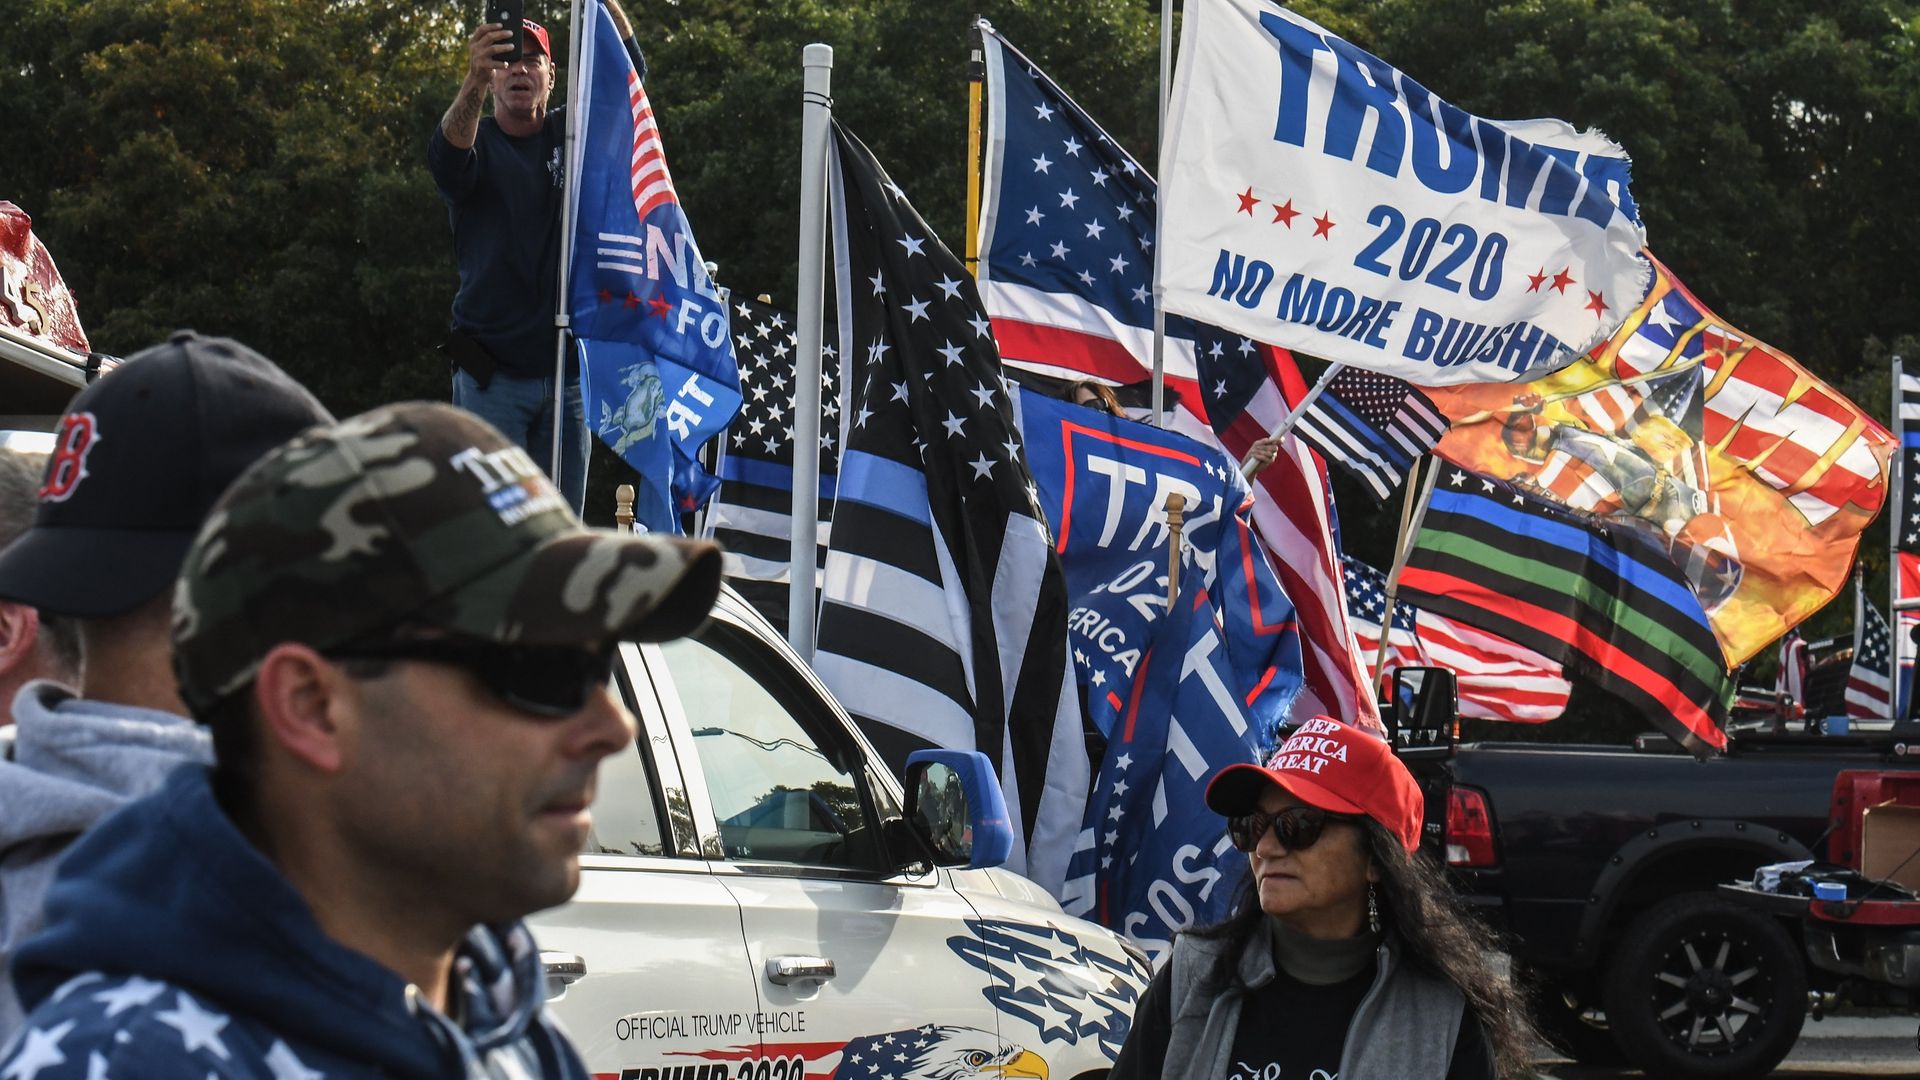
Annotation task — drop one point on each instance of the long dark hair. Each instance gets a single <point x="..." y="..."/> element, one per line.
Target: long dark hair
<point x="1437" y="935"/>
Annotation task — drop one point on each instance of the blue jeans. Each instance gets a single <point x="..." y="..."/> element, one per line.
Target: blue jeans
<point x="523" y="411"/>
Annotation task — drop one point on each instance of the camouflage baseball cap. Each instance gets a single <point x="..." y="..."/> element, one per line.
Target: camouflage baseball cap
<point x="424" y="515"/>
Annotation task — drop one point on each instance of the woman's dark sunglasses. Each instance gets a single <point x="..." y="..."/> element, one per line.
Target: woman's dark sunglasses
<point x="1297" y="827"/>
<point x="551" y="681"/>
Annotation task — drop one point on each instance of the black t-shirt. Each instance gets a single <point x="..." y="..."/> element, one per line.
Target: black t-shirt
<point x="503" y="198"/>
<point x="1288" y="1030"/>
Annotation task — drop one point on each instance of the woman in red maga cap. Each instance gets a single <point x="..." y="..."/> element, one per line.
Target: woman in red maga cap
<point x="1346" y="956"/>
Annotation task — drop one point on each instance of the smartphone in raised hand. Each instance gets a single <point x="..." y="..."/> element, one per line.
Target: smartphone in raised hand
<point x="508" y="14"/>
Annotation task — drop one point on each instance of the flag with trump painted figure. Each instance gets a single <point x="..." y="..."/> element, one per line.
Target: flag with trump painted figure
<point x="1755" y="476"/>
<point x="658" y="376"/>
<point x="943" y="615"/>
<point x="1318" y="198"/>
<point x="1067" y="250"/>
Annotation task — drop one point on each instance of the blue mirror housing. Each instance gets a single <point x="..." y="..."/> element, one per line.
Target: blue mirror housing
<point x="954" y="803"/>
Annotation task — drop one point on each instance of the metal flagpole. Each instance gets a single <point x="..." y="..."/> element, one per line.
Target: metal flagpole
<point x="1293" y="417"/>
<point x="1896" y="488"/>
<point x="1159" y="213"/>
<point x="562" y="317"/>
<point x="816" y="110"/>
<point x="1408" y="530"/>
<point x="976" y="80"/>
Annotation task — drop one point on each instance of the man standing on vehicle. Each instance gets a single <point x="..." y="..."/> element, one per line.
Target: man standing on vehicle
<point x="503" y="180"/>
<point x="32" y="645"/>
<point x="402" y="640"/>
<point x="139" y="459"/>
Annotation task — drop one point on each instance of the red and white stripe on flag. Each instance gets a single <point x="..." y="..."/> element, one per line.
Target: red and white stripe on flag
<point x="1498" y="679"/>
<point x="1796" y="432"/>
<point x="652" y="184"/>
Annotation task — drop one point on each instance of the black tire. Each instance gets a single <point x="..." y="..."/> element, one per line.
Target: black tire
<point x="1699" y="988"/>
<point x="1574" y="1027"/>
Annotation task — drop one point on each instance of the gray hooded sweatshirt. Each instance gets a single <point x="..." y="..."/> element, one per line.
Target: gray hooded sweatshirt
<point x="71" y="763"/>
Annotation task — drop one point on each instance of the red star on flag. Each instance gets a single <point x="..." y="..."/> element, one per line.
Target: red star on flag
<point x="631" y="301"/>
<point x="1594" y="303"/>
<point x="1562" y="279"/>
<point x="1247" y="202"/>
<point x="1285" y="214"/>
<point x="1535" y="280"/>
<point x="1323" y="226"/>
<point x="605" y="296"/>
<point x="658" y="306"/>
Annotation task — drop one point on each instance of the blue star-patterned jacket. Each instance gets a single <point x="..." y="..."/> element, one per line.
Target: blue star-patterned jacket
<point x="175" y="951"/>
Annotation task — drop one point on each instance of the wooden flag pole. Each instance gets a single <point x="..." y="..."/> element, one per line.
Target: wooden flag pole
<point x="976" y="81"/>
<point x="1410" y="521"/>
<point x="623" y="507"/>
<point x="1176" y="518"/>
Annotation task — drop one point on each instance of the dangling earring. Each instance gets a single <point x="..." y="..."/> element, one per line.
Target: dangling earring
<point x="1373" y="910"/>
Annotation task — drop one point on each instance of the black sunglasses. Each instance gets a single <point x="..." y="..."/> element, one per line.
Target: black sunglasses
<point x="1297" y="827"/>
<point x="551" y="681"/>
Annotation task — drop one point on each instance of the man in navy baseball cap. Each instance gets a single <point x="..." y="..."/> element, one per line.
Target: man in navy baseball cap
<point x="138" y="462"/>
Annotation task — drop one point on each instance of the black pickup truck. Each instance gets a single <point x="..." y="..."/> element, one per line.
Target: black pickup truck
<point x="1601" y="865"/>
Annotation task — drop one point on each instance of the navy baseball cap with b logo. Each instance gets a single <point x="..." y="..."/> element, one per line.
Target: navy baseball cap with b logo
<point x="138" y="461"/>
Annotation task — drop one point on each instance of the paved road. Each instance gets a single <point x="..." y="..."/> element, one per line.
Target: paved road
<point x="1835" y="1049"/>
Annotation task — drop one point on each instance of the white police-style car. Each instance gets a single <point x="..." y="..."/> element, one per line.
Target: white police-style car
<point x="756" y="904"/>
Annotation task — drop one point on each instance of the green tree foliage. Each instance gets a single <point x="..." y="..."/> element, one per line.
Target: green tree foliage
<point x="256" y="167"/>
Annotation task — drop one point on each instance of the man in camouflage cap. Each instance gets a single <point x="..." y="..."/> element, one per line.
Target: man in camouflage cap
<point x="401" y="638"/>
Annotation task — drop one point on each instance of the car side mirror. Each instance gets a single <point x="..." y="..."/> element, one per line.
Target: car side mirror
<point x="1421" y="713"/>
<point x="955" y="805"/>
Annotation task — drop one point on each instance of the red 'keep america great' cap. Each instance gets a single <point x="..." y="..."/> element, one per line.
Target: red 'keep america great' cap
<point x="1333" y="766"/>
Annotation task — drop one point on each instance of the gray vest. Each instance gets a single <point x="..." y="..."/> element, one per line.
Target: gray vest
<point x="1404" y="1028"/>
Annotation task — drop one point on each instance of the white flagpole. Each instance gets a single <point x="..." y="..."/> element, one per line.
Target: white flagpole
<point x="1896" y="488"/>
<point x="1159" y="213"/>
<point x="562" y="317"/>
<point x="816" y="110"/>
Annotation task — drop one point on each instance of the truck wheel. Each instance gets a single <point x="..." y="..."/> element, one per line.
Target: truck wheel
<point x="1701" y="988"/>
<point x="1570" y="1028"/>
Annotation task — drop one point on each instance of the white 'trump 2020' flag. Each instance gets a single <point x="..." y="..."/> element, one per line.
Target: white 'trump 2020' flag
<point x="1318" y="198"/>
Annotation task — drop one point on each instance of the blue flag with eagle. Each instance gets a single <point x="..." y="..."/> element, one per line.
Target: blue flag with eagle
<point x="657" y="368"/>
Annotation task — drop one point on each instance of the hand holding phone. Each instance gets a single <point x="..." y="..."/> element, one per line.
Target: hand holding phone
<point x="508" y="15"/>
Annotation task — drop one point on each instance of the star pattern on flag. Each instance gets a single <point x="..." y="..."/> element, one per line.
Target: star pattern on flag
<point x="1069" y="987"/>
<point x="765" y="348"/>
<point x="1095" y="226"/>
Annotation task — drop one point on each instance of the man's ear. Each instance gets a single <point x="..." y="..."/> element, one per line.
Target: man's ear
<point x="19" y="632"/>
<point x="308" y="706"/>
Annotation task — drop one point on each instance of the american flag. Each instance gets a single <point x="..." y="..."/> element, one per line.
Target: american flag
<point x="752" y="516"/>
<point x="1374" y="426"/>
<point x="943" y="617"/>
<point x="1791" y="682"/>
<point x="1869" y="682"/>
<point x="1497" y="679"/>
<point x="1066" y="273"/>
<point x="1763" y="410"/>
<point x="652" y="184"/>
